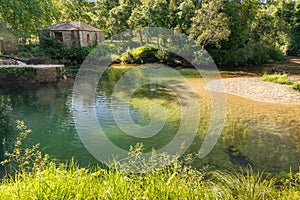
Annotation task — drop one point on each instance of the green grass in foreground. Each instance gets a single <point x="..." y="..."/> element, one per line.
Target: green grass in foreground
<point x="49" y="180"/>
<point x="175" y="182"/>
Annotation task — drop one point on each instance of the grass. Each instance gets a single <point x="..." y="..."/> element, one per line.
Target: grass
<point x="296" y="86"/>
<point x="174" y="182"/>
<point x="282" y="79"/>
<point x="277" y="78"/>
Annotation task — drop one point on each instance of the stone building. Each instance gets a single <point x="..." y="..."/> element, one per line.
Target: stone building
<point x="73" y="34"/>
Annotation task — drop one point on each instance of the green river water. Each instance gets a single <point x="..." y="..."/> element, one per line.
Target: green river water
<point x="266" y="136"/>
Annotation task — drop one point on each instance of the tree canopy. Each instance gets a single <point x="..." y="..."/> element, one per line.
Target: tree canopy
<point x="235" y="32"/>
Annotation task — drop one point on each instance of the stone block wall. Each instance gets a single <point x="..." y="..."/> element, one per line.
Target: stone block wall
<point x="70" y="38"/>
<point x="95" y="38"/>
<point x="30" y="75"/>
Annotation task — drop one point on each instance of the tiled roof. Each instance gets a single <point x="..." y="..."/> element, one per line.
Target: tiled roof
<point x="70" y="26"/>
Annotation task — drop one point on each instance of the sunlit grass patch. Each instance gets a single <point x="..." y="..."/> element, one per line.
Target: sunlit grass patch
<point x="282" y="79"/>
<point x="277" y="78"/>
<point x="296" y="86"/>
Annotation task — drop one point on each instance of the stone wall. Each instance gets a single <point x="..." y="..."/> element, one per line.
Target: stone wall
<point x="70" y="38"/>
<point x="95" y="38"/>
<point x="80" y="38"/>
<point x="30" y="75"/>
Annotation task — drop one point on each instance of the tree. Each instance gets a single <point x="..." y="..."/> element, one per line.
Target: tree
<point x="295" y="30"/>
<point x="117" y="19"/>
<point x="185" y="12"/>
<point x="24" y="17"/>
<point x="236" y="50"/>
<point x="210" y="25"/>
<point x="101" y="12"/>
<point x="269" y="29"/>
<point x="75" y="10"/>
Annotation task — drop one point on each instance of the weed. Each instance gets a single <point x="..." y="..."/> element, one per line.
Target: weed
<point x="23" y="158"/>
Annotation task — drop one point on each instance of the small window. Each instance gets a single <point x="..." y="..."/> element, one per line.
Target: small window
<point x="88" y="39"/>
<point x="58" y="36"/>
<point x="96" y="38"/>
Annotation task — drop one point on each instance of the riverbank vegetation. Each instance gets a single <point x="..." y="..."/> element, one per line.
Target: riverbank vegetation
<point x="281" y="79"/>
<point x="174" y="182"/>
<point x="33" y="175"/>
<point x="237" y="32"/>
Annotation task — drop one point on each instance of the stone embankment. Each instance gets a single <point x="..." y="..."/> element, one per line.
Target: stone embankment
<point x="30" y="75"/>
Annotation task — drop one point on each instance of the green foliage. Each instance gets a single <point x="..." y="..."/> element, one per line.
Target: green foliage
<point x="210" y="25"/>
<point x="184" y="13"/>
<point x="140" y="55"/>
<point x="149" y="54"/>
<point x="24" y="54"/>
<point x="277" y="54"/>
<point x="25" y="17"/>
<point x="234" y="32"/>
<point x="257" y="34"/>
<point x="117" y="19"/>
<point x="75" y="10"/>
<point x="52" y="48"/>
<point x="75" y="55"/>
<point x="296" y="86"/>
<point x="277" y="78"/>
<point x="295" y="30"/>
<point x="282" y="79"/>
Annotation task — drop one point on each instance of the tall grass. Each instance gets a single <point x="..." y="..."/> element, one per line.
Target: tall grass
<point x="174" y="182"/>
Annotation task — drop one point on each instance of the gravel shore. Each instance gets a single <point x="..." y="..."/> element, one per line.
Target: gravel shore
<point x="257" y="90"/>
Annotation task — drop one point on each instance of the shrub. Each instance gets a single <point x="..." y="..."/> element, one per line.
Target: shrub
<point x="51" y="47"/>
<point x="24" y="54"/>
<point x="144" y="54"/>
<point x="75" y="55"/>
<point x="277" y="54"/>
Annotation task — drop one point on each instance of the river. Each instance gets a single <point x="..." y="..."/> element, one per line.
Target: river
<point x="264" y="135"/>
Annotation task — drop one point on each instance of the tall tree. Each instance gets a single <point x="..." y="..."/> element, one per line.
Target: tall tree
<point x="117" y="19"/>
<point x="76" y="10"/>
<point x="210" y="25"/>
<point x="24" y="17"/>
<point x="101" y="12"/>
<point x="185" y="12"/>
<point x="295" y="30"/>
<point x="236" y="50"/>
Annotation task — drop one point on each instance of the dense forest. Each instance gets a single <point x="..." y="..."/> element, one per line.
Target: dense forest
<point x="234" y="32"/>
